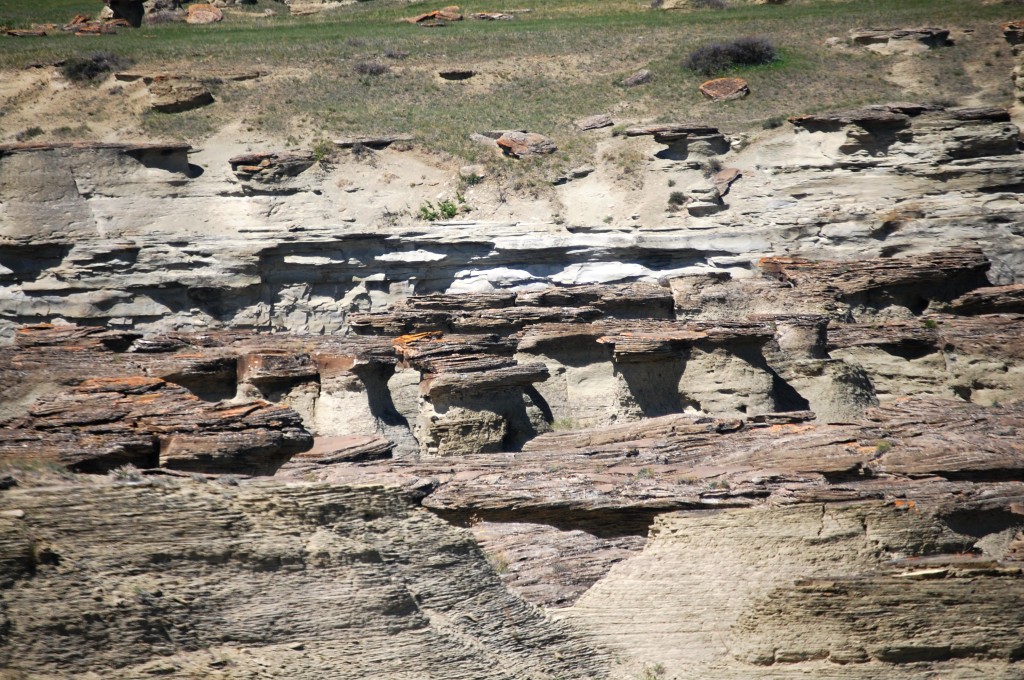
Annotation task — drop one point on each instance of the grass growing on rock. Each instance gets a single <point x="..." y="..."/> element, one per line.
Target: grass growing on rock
<point x="540" y="71"/>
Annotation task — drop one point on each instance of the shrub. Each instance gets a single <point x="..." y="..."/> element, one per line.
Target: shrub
<point x="676" y="198"/>
<point x="28" y="134"/>
<point x="89" y="68"/>
<point x="718" y="57"/>
<point x="371" y="68"/>
<point x="709" y="4"/>
<point x="395" y="54"/>
<point x="322" y="150"/>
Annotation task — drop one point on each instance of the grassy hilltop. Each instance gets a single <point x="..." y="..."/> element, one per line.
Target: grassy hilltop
<point x="562" y="60"/>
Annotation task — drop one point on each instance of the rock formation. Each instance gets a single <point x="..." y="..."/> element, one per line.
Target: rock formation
<point x="777" y="437"/>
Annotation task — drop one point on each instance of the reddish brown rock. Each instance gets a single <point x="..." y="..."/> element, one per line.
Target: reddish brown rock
<point x="724" y="89"/>
<point x="104" y="423"/>
<point x="450" y="13"/>
<point x="203" y="14"/>
<point x="519" y="144"/>
<point x="997" y="299"/>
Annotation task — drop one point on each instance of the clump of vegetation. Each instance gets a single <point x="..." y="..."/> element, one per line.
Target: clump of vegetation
<point x="499" y="562"/>
<point x="371" y="68"/>
<point x="654" y="672"/>
<point x="676" y="199"/>
<point x="882" y="447"/>
<point x="445" y="209"/>
<point x="127" y="473"/>
<point x="323" y="150"/>
<point x="931" y="323"/>
<point x="395" y="54"/>
<point x="89" y="68"/>
<point x="772" y="123"/>
<point x="28" y="134"/>
<point x="709" y="4"/>
<point x="715" y="58"/>
<point x="711" y="166"/>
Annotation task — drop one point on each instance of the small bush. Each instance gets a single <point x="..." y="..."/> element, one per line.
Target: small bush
<point x="428" y="212"/>
<point x="714" y="58"/>
<point x="709" y="4"/>
<point x="773" y="122"/>
<point x="371" y="68"/>
<point x="676" y="198"/>
<point x="323" y="150"/>
<point x="88" y="69"/>
<point x="395" y="54"/>
<point x="28" y="134"/>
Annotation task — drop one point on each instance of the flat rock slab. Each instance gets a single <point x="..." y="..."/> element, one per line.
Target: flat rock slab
<point x="456" y="74"/>
<point x="438" y="17"/>
<point x="371" y="141"/>
<point x="149" y="77"/>
<point x="900" y="39"/>
<point x="601" y="120"/>
<point x="723" y="89"/>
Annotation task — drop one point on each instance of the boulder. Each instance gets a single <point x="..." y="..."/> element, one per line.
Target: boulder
<point x="723" y="89"/>
<point x="520" y="144"/>
<point x="204" y="14"/>
<point x="641" y="77"/>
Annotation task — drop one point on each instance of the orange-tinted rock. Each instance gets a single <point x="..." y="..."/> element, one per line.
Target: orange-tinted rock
<point x="520" y="144"/>
<point x="1013" y="31"/>
<point x="450" y="13"/>
<point x="203" y="14"/>
<point x="722" y="89"/>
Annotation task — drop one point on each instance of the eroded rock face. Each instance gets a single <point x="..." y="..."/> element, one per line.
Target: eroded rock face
<point x="840" y="187"/>
<point x="764" y="444"/>
<point x="103" y="423"/>
<point x="294" y="581"/>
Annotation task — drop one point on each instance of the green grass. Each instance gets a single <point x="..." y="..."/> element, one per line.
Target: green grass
<point x="542" y="70"/>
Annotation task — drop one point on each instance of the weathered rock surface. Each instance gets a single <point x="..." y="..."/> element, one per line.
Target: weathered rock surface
<point x="176" y="95"/>
<point x="725" y="89"/>
<point x="106" y="422"/>
<point x="174" y="577"/>
<point x="288" y="264"/>
<point x="519" y="144"/>
<point x="900" y="40"/>
<point x="784" y="470"/>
